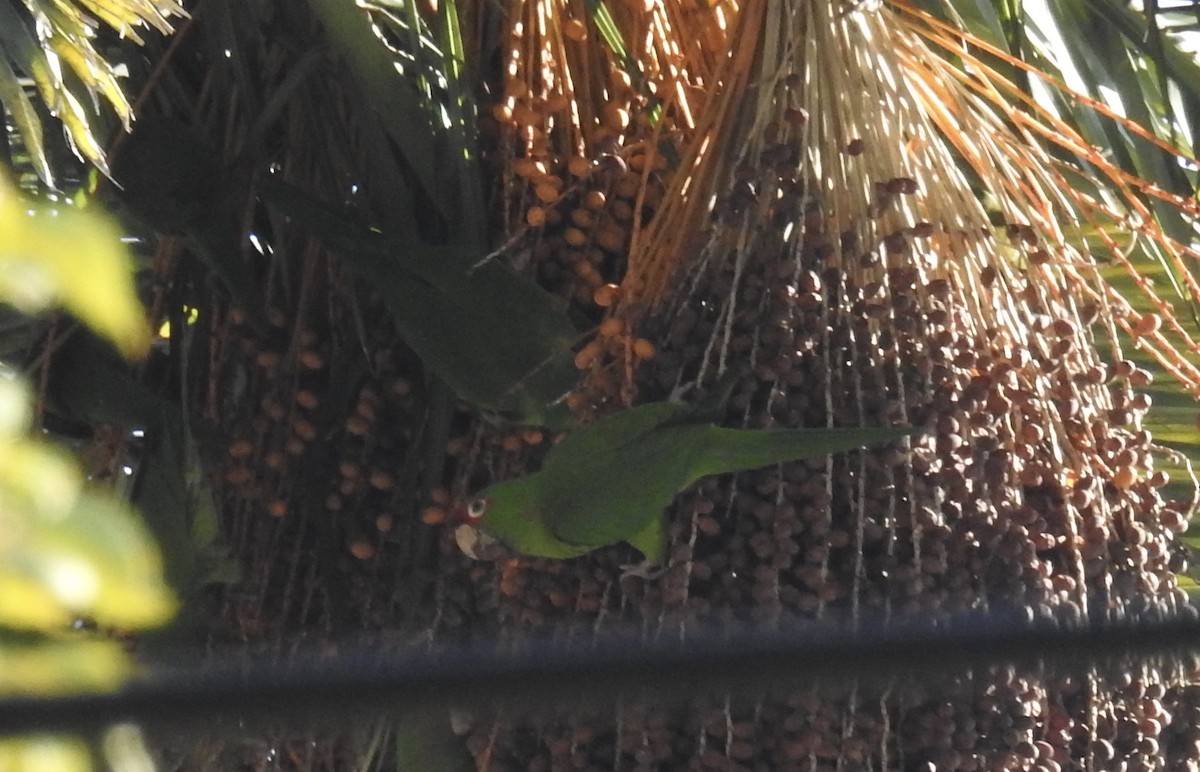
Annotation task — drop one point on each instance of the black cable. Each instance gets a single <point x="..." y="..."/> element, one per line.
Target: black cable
<point x="543" y="676"/>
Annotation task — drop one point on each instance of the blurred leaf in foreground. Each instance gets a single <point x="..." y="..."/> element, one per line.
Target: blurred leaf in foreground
<point x="55" y="254"/>
<point x="35" y="753"/>
<point x="67" y="551"/>
<point x="53" y="43"/>
<point x="72" y="556"/>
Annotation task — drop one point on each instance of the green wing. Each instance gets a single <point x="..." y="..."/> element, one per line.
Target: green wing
<point x="621" y="496"/>
<point x="607" y="437"/>
<point x="614" y="433"/>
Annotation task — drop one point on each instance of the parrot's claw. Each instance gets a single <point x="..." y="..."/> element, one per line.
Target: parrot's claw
<point x="461" y="721"/>
<point x="644" y="570"/>
<point x="679" y="391"/>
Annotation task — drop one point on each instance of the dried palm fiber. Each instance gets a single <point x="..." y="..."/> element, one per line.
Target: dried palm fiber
<point x="578" y="134"/>
<point x="999" y="132"/>
<point x="1099" y="199"/>
<point x="847" y="260"/>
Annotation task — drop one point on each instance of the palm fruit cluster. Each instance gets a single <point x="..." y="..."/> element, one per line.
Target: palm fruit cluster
<point x="580" y="146"/>
<point x="872" y="534"/>
<point x="852" y="276"/>
<point x="864" y="285"/>
<point x="313" y="470"/>
<point x="309" y="409"/>
<point x="1037" y="484"/>
<point x="999" y="718"/>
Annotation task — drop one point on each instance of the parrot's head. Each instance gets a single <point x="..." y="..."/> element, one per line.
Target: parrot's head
<point x="467" y="519"/>
<point x="472" y="511"/>
<point x="496" y="521"/>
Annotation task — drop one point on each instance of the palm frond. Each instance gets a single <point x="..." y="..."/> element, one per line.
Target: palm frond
<point x="1126" y="85"/>
<point x="52" y="42"/>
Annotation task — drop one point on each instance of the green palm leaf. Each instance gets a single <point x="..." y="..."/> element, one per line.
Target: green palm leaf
<point x="51" y="43"/>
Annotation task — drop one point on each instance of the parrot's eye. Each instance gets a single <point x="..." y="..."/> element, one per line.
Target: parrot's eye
<point x="477" y="507"/>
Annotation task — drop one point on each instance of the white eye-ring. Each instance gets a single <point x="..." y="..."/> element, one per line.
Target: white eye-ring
<point x="477" y="507"/>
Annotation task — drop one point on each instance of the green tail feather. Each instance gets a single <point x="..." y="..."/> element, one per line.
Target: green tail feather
<point x="741" y="450"/>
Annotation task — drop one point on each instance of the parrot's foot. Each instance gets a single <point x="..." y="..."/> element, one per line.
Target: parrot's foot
<point x="461" y="721"/>
<point x="677" y="394"/>
<point x="644" y="570"/>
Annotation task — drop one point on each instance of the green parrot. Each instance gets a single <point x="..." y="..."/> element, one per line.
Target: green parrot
<point x="609" y="481"/>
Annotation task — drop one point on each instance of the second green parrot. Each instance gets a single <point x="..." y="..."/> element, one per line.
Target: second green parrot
<point x="609" y="481"/>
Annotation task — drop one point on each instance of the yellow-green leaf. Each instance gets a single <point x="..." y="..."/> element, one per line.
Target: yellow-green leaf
<point x="64" y="255"/>
<point x="79" y="132"/>
<point x="25" y="119"/>
<point x="97" y="561"/>
<point x="26" y="603"/>
<point x="132" y="592"/>
<point x="16" y="408"/>
<point x="34" y="753"/>
<point x="71" y="662"/>
<point x="94" y="72"/>
<point x="37" y="478"/>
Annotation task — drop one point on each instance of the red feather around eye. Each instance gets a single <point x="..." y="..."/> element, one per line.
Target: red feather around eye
<point x="476" y="509"/>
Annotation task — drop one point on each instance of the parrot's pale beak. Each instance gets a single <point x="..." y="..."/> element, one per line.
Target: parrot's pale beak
<point x="472" y="541"/>
<point x="467" y="537"/>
